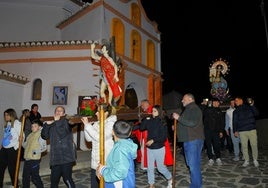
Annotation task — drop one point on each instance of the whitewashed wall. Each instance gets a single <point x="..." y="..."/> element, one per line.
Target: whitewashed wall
<point x="77" y="76"/>
<point x="11" y="96"/>
<point x="37" y="21"/>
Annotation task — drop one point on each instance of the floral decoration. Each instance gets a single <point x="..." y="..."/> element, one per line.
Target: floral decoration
<point x="88" y="106"/>
<point x="220" y="94"/>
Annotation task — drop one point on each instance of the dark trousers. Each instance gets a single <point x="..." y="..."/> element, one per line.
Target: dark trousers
<point x="212" y="139"/>
<point x="94" y="179"/>
<point x="31" y="170"/>
<point x="65" y="171"/>
<point x="8" y="158"/>
<point x="229" y="142"/>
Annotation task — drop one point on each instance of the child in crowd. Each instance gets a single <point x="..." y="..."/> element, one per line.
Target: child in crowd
<point x="92" y="134"/>
<point x="119" y="170"/>
<point x="10" y="144"/>
<point x="34" y="146"/>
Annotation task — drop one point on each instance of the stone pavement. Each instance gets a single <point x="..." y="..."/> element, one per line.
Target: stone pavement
<point x="230" y="175"/>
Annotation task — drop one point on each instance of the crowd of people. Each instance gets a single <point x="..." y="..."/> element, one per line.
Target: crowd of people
<point x="200" y="128"/>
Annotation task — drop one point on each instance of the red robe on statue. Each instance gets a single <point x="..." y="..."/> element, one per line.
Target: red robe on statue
<point x="108" y="74"/>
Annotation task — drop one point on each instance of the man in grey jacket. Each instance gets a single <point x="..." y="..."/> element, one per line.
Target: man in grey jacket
<point x="191" y="132"/>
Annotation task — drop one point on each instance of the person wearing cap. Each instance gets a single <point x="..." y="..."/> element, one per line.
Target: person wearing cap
<point x="119" y="170"/>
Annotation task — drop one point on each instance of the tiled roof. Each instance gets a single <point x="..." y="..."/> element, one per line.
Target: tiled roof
<point x="4" y="75"/>
<point x="43" y="43"/>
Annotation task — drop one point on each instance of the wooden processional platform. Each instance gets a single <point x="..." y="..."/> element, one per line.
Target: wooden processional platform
<point x="132" y="115"/>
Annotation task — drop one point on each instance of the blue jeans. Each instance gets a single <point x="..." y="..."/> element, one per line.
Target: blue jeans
<point x="236" y="141"/>
<point x="192" y="151"/>
<point x="158" y="156"/>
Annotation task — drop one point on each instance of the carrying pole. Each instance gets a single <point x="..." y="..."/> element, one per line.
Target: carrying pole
<point x="102" y="149"/>
<point x="19" y="153"/>
<point x="174" y="152"/>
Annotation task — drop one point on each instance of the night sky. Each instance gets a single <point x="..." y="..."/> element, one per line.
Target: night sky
<point x="195" y="33"/>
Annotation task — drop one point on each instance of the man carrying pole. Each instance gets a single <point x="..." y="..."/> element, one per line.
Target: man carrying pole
<point x="191" y="132"/>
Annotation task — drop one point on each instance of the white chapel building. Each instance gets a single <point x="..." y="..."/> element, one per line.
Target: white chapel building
<point x="45" y="44"/>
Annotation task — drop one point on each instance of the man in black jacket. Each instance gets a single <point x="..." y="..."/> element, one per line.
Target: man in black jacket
<point x="244" y="124"/>
<point x="214" y="124"/>
<point x="62" y="151"/>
